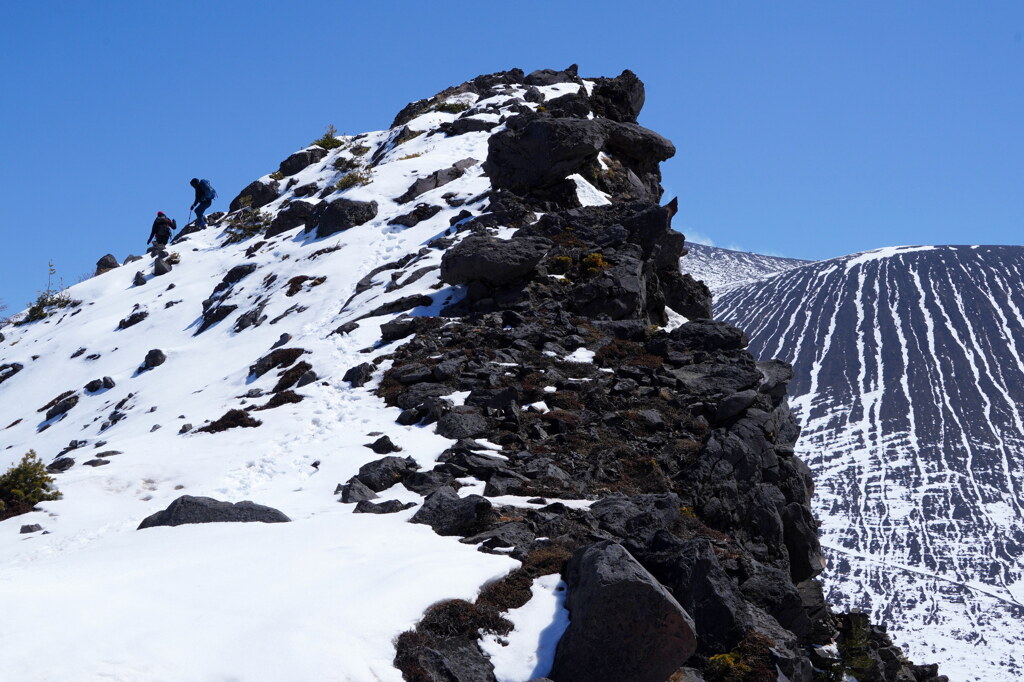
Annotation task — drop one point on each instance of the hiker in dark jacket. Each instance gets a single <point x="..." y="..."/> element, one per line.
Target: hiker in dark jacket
<point x="161" y="232"/>
<point x="205" y="194"/>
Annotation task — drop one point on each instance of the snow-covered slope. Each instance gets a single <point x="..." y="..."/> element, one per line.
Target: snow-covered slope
<point x="909" y="385"/>
<point x="233" y="601"/>
<point x="725" y="269"/>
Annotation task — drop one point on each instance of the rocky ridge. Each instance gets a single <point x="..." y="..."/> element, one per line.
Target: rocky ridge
<point x="500" y="262"/>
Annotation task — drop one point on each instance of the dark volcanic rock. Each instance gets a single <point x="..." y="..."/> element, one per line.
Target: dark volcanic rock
<point x="62" y="407"/>
<point x="106" y="264"/>
<point x="299" y="160"/>
<point x="620" y="98"/>
<point x="295" y="214"/>
<point x="435" y="180"/>
<point x="341" y="214"/>
<point x="449" y="514"/>
<point x="188" y="509"/>
<point x="709" y="335"/>
<point x="623" y="624"/>
<point x="260" y="194"/>
<point x="383" y="473"/>
<point x="491" y="260"/>
<point x="154" y="358"/>
<point x="133" y="319"/>
<point x="386" y="507"/>
<point x="359" y="375"/>
<point x="417" y="215"/>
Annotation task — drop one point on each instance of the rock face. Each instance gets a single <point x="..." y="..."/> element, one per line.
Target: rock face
<point x="706" y="551"/>
<point x="188" y="509"/>
<point x="624" y="625"/>
<point x="536" y="152"/>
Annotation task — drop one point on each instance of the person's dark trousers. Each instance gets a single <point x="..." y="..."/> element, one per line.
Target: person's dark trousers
<point x="200" y="210"/>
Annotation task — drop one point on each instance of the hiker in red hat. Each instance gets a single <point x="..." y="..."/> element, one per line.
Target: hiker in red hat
<point x="161" y="232"/>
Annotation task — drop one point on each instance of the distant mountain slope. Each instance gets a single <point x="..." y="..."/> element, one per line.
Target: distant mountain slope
<point x="909" y="386"/>
<point x="724" y="269"/>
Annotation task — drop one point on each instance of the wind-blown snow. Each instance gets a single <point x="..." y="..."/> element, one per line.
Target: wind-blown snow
<point x="320" y="598"/>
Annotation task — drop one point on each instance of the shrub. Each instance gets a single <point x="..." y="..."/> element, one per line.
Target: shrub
<point x="328" y="139"/>
<point x="593" y="264"/>
<point x="451" y="107"/>
<point x="277" y="175"/>
<point x="354" y="178"/>
<point x="25" y="485"/>
<point x="411" y="156"/>
<point x="246" y="222"/>
<point x="359" y="149"/>
<point x="52" y="297"/>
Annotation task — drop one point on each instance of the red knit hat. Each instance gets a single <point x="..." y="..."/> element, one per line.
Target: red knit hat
<point x="160" y="213"/>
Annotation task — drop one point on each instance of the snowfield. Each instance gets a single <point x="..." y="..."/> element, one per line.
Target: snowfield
<point x="319" y="598"/>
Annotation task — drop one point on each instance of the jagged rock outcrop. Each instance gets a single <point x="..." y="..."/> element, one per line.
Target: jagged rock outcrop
<point x="683" y="438"/>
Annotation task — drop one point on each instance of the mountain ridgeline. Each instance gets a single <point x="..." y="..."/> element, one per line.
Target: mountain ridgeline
<point x="489" y="293"/>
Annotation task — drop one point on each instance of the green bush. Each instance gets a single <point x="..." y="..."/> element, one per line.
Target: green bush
<point x="25" y="485"/>
<point x="277" y="175"/>
<point x="359" y="149"/>
<point x="451" y="107"/>
<point x="328" y="139"/>
<point x="246" y="222"/>
<point x="354" y="178"/>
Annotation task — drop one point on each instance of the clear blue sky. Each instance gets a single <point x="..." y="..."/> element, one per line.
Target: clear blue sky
<point x="808" y="129"/>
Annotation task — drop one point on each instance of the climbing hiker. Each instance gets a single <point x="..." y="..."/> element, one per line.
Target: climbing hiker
<point x="205" y="194"/>
<point x="161" y="232"/>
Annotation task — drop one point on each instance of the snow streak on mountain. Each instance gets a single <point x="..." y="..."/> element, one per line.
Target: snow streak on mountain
<point x="909" y="385"/>
<point x="724" y="269"/>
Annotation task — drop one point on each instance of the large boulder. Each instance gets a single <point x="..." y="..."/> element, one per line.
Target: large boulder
<point x="260" y="193"/>
<point x="341" y="214"/>
<point x="709" y="335"/>
<point x="492" y="261"/>
<point x="435" y="180"/>
<point x="623" y="624"/>
<point x="295" y="214"/>
<point x="154" y="358"/>
<point x="536" y="152"/>
<point x="188" y="509"/>
<point x="385" y="472"/>
<point x="299" y="160"/>
<point x="448" y="514"/>
<point x="551" y="76"/>
<point x="106" y="264"/>
<point x="620" y="98"/>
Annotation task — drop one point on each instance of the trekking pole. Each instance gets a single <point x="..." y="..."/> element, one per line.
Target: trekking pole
<point x="189" y="216"/>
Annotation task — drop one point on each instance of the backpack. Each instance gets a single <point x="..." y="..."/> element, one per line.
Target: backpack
<point x="210" y="192"/>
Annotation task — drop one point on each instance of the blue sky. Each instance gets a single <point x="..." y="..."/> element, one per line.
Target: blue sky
<point x="807" y="129"/>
